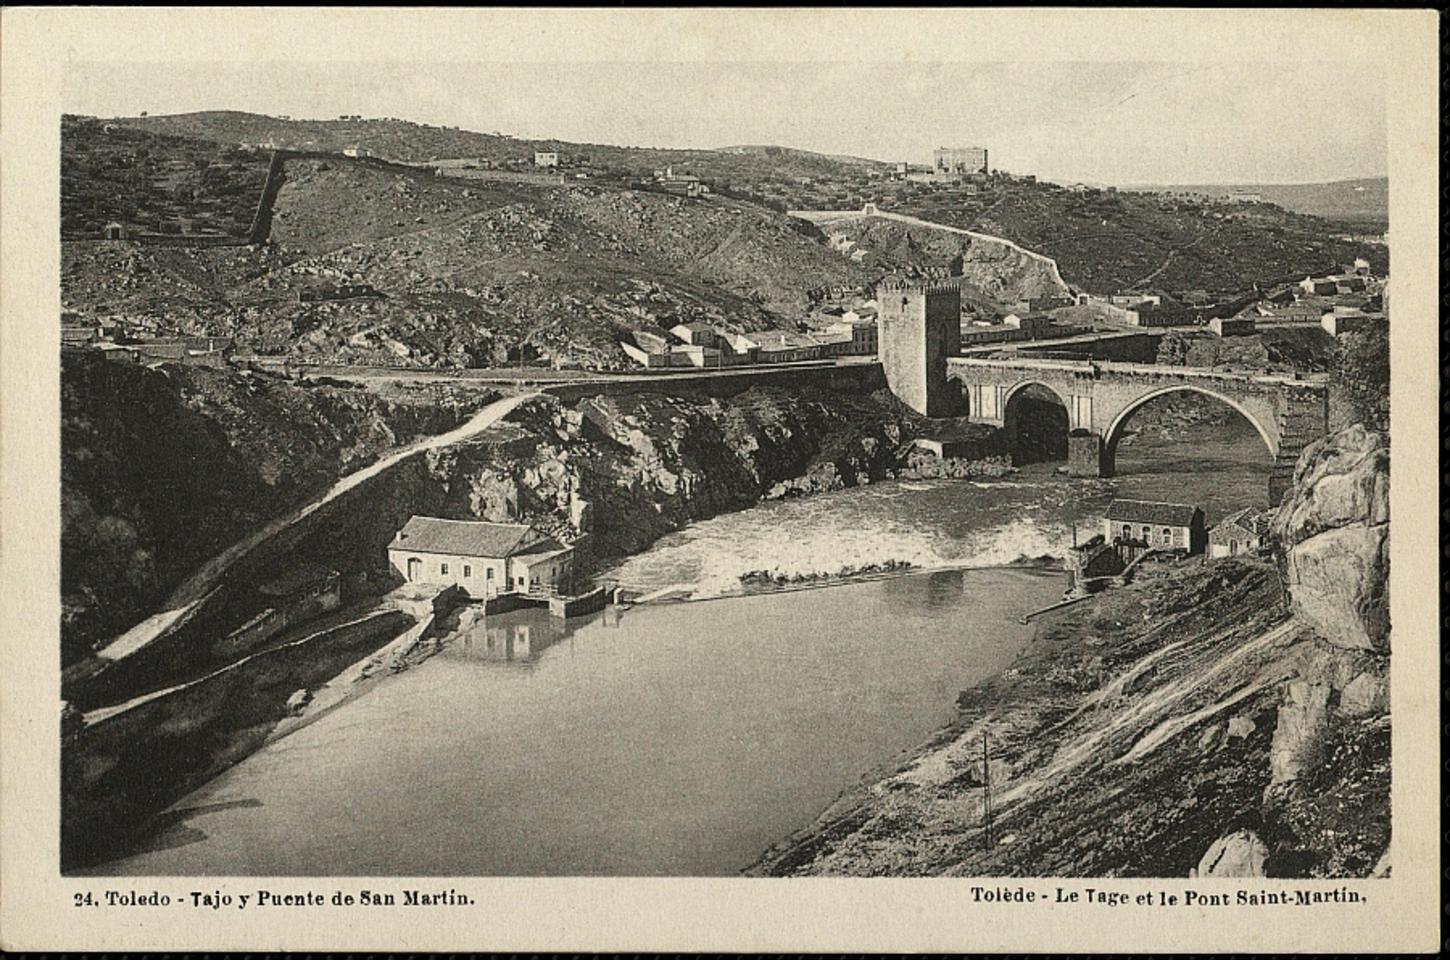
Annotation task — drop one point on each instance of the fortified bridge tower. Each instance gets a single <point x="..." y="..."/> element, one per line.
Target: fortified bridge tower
<point x="920" y="327"/>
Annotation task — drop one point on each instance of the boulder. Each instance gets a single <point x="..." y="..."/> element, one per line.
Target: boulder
<point x="1366" y="694"/>
<point x="1240" y="727"/>
<point x="1333" y="528"/>
<point x="298" y="701"/>
<point x="1240" y="854"/>
<point x="1299" y="735"/>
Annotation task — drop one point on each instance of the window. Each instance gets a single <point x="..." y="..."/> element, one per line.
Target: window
<point x="1127" y="531"/>
<point x="488" y="573"/>
<point x="1233" y="547"/>
<point x="1167" y="535"/>
<point x="467" y="570"/>
<point x="443" y="568"/>
<point x="1147" y="534"/>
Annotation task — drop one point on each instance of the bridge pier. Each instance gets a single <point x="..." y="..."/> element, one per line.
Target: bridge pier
<point x="1085" y="455"/>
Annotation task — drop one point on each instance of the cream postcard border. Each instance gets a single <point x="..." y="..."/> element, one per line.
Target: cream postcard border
<point x="37" y="47"/>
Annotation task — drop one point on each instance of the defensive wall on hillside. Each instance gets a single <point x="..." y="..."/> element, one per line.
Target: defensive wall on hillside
<point x="871" y="210"/>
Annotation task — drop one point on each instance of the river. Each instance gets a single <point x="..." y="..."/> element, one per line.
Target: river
<point x="671" y="738"/>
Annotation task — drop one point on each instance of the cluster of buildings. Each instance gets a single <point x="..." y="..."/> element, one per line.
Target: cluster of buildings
<point x="1133" y="528"/>
<point x="703" y="345"/>
<point x="948" y="165"/>
<point x="679" y="184"/>
<point x="1144" y="524"/>
<point x="113" y="340"/>
<point x="1015" y="327"/>
<point x="1341" y="302"/>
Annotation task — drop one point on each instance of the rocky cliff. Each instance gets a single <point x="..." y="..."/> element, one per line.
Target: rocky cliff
<point x="621" y="471"/>
<point x="1223" y="718"/>
<point x="162" y="468"/>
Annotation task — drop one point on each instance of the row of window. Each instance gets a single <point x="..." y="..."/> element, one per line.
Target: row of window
<point x="1165" y="534"/>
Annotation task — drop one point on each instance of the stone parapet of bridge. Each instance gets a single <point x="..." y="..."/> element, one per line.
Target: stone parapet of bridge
<point x="1288" y="411"/>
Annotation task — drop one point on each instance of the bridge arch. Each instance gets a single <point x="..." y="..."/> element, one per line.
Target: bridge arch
<point x="1021" y="385"/>
<point x="1037" y="421"/>
<point x="1113" y="434"/>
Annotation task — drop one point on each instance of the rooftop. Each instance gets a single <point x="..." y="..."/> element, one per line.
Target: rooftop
<point x="465" y="538"/>
<point x="1248" y="519"/>
<point x="1152" y="511"/>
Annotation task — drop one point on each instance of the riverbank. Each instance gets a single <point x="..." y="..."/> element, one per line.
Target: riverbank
<point x="664" y="740"/>
<point x="610" y="474"/>
<point x="1134" y="731"/>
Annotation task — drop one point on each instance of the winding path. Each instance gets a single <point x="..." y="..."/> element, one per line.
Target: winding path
<point x="185" y="599"/>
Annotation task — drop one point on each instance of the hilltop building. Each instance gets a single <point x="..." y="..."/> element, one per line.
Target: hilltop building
<point x="949" y="162"/>
<point x="546" y="158"/>
<point x="483" y="559"/>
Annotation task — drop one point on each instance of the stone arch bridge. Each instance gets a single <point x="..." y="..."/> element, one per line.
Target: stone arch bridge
<point x="1288" y="411"/>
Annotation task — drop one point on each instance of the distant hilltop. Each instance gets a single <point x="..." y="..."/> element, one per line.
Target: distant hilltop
<point x="1365" y="199"/>
<point x="396" y="139"/>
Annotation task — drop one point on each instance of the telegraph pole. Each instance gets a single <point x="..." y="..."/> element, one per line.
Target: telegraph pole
<point x="986" y="797"/>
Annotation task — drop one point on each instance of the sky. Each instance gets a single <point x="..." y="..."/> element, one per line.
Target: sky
<point x="1127" y="123"/>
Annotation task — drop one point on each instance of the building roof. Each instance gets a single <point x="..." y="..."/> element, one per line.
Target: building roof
<point x="541" y="550"/>
<point x="1151" y="511"/>
<point x="1247" y="520"/>
<point x="464" y="538"/>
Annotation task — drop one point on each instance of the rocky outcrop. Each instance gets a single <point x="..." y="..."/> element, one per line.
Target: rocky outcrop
<point x="624" y="470"/>
<point x="1333" y="529"/>
<point x="1240" y="854"/>
<point x="1299" y="735"/>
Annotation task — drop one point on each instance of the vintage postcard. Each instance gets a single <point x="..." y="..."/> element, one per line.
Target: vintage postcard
<point x="719" y="480"/>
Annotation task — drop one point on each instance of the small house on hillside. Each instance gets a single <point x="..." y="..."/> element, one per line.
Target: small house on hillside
<point x="483" y="559"/>
<point x="697" y="332"/>
<point x="1240" y="532"/>
<point x="1171" y="526"/>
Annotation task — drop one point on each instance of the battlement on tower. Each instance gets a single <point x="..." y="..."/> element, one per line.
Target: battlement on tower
<point x="919" y="287"/>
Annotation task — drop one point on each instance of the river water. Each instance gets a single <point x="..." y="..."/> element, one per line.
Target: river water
<point x="671" y="738"/>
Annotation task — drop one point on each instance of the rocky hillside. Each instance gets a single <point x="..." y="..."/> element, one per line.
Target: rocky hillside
<point x="996" y="274"/>
<point x="162" y="468"/>
<point x="466" y="273"/>
<point x="1219" y="719"/>
<point x="1107" y="241"/>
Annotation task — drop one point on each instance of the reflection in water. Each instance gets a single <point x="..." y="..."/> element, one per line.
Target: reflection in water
<point x="910" y="595"/>
<point x="517" y="637"/>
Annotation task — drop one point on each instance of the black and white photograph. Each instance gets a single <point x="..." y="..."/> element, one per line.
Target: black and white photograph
<point x="624" y="465"/>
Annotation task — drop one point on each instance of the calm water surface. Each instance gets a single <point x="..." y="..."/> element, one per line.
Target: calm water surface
<point x="671" y="739"/>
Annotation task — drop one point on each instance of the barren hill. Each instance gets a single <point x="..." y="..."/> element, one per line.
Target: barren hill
<point x="403" y="140"/>
<point x="469" y="272"/>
